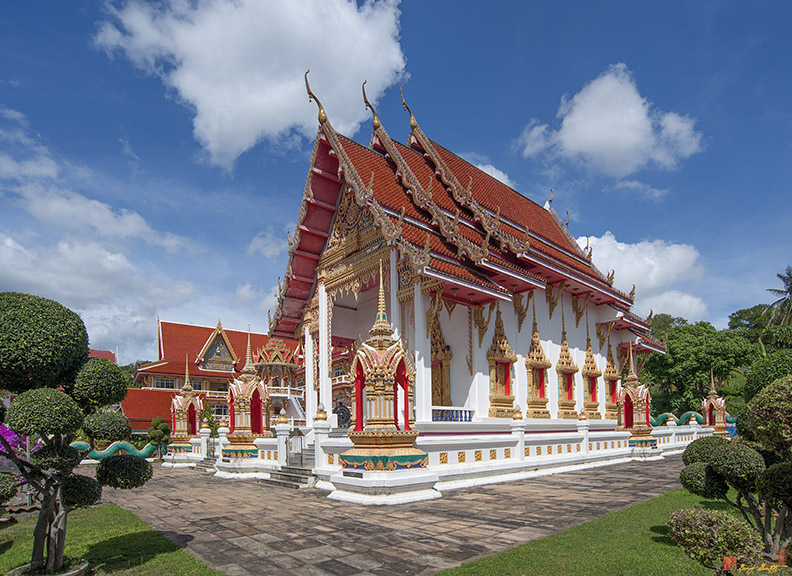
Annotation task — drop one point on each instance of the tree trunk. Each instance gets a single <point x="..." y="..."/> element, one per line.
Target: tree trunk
<point x="57" y="539"/>
<point x="41" y="531"/>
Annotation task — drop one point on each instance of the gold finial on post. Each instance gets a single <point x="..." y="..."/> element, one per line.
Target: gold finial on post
<point x="312" y="96"/>
<point x="186" y="387"/>
<point x="413" y="123"/>
<point x="375" y="121"/>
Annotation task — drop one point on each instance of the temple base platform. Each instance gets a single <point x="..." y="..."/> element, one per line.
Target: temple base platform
<point x="384" y="487"/>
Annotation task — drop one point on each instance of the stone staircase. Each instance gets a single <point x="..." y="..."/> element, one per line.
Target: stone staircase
<point x="292" y="477"/>
<point x="206" y="465"/>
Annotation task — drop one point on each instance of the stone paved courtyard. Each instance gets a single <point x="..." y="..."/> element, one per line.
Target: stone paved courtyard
<point x="242" y="527"/>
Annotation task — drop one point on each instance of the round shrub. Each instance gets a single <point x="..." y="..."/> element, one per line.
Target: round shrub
<point x="701" y="449"/>
<point x="110" y="426"/>
<point x="80" y="490"/>
<point x="123" y="471"/>
<point x="739" y="464"/>
<point x="99" y="383"/>
<point x="42" y="343"/>
<point x="745" y="429"/>
<point x="44" y="411"/>
<point x="52" y="457"/>
<point x="770" y="414"/>
<point x="767" y="370"/>
<point x="775" y="484"/>
<point x="700" y="479"/>
<point x="707" y="536"/>
<point x="9" y="486"/>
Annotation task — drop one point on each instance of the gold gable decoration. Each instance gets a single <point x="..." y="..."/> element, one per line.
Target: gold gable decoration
<point x="612" y="377"/>
<point x="591" y="374"/>
<point x="217" y="353"/>
<point x="536" y="363"/>
<point x="501" y="358"/>
<point x="566" y="369"/>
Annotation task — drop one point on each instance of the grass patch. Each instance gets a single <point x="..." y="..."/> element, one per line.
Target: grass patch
<point x="630" y="542"/>
<point x="113" y="540"/>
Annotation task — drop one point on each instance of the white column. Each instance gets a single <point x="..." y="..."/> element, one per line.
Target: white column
<point x="325" y="385"/>
<point x="423" y="361"/>
<point x="310" y="393"/>
<point x="282" y="435"/>
<point x="395" y="310"/>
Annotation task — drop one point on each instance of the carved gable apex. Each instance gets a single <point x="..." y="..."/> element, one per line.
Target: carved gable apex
<point x="217" y="353"/>
<point x="590" y="368"/>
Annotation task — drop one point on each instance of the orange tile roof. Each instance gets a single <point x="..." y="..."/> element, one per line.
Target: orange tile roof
<point x="141" y="406"/>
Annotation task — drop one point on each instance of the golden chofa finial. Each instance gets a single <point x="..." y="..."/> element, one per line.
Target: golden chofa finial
<point x="375" y="121"/>
<point x="551" y="196"/>
<point x="312" y="96"/>
<point x="413" y="123"/>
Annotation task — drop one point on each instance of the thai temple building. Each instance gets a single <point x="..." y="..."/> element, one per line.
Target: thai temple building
<point x="208" y="361"/>
<point x="472" y="338"/>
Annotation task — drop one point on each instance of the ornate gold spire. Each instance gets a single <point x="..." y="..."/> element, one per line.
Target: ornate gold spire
<point x="565" y="362"/>
<point x="632" y="377"/>
<point x="500" y="349"/>
<point x="312" y="96"/>
<point x="375" y="121"/>
<point x="381" y="332"/>
<point x="590" y="366"/>
<point x="611" y="373"/>
<point x="249" y="367"/>
<point x="413" y="122"/>
<point x="187" y="387"/>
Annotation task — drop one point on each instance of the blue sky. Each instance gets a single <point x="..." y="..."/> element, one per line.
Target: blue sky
<point x="152" y="156"/>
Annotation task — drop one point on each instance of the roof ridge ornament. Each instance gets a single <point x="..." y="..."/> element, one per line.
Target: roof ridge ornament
<point x="311" y="96"/>
<point x="413" y="121"/>
<point x="375" y="121"/>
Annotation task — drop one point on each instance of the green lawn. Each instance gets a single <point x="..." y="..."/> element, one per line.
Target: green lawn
<point x="113" y="540"/>
<point x="631" y="542"/>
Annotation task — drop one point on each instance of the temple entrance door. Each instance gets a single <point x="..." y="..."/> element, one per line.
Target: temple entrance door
<point x="231" y="422"/>
<point x="255" y="413"/>
<point x="403" y="385"/>
<point x="711" y="415"/>
<point x="191" y="420"/>
<point x="628" y="411"/>
<point x="360" y="381"/>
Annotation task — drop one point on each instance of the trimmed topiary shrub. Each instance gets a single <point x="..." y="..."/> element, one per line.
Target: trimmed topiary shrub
<point x="42" y="348"/>
<point x="767" y="370"/>
<point x="770" y="416"/>
<point x="707" y="536"/>
<point x="123" y="471"/>
<point x="744" y="428"/>
<point x="700" y="479"/>
<point x="43" y="412"/>
<point x="700" y="450"/>
<point x="99" y="383"/>
<point x="109" y="426"/>
<point x="56" y="457"/>
<point x="9" y="486"/>
<point x="42" y="343"/>
<point x="159" y="434"/>
<point x="80" y="491"/>
<point x="739" y="464"/>
<point x="775" y="484"/>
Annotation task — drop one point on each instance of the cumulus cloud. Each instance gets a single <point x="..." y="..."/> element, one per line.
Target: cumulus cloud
<point x="497" y="174"/>
<point x="664" y="273"/>
<point x="238" y="64"/>
<point x="611" y="129"/>
<point x="267" y="244"/>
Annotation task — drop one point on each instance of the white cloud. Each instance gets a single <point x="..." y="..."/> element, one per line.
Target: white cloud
<point x="267" y="244"/>
<point x="238" y="64"/>
<point x="610" y="128"/>
<point x="664" y="273"/>
<point x="497" y="174"/>
<point x="639" y="189"/>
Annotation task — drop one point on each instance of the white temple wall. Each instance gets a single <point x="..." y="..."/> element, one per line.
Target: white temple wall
<point x="455" y="334"/>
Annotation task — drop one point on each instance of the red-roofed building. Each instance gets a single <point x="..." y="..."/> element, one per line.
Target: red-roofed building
<point x="213" y="357"/>
<point x="106" y="354"/>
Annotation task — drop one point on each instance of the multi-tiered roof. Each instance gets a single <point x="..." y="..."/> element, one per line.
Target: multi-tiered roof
<point x="450" y="220"/>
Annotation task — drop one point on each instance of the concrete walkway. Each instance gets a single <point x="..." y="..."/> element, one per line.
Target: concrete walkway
<point x="241" y="527"/>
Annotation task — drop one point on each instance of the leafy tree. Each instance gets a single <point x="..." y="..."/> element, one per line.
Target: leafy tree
<point x="43" y="353"/>
<point x="782" y="308"/>
<point x="159" y="434"/>
<point x="750" y="322"/>
<point x="767" y="370"/>
<point x="694" y="352"/>
<point x="662" y="324"/>
<point x="759" y="471"/>
<point x="211" y="420"/>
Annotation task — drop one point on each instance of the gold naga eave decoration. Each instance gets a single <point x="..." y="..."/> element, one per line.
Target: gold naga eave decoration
<point x="520" y="309"/>
<point x="552" y="296"/>
<point x="422" y="198"/>
<point x="463" y="196"/>
<point x="480" y="323"/>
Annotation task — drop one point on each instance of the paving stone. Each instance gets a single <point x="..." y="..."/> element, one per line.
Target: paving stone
<point x="243" y="527"/>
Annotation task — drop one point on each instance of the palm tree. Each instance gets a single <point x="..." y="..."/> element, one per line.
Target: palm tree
<point x="783" y="305"/>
